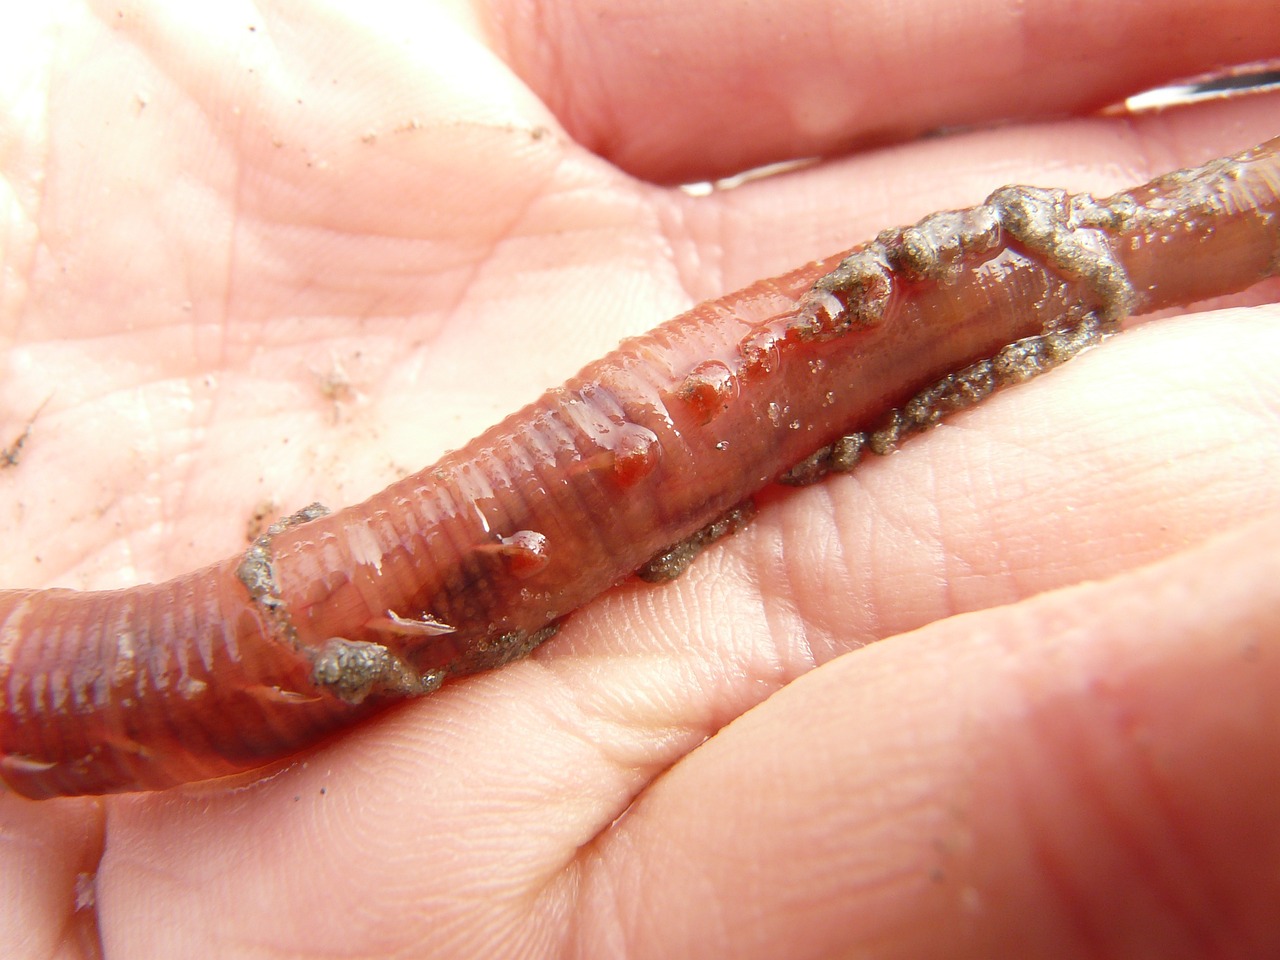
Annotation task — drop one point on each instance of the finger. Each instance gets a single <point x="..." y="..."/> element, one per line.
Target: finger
<point x="673" y="92"/>
<point x="765" y="226"/>
<point x="1072" y="776"/>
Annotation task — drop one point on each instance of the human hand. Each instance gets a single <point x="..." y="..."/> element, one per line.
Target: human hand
<point x="258" y="258"/>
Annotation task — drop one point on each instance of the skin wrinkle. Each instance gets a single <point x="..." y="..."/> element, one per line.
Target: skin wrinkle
<point x="789" y="649"/>
<point x="926" y="526"/>
<point x="1102" y="759"/>
<point x="22" y="310"/>
<point x="800" y="647"/>
<point x="1180" y="896"/>
<point x="1070" y="911"/>
<point x="985" y="531"/>
<point x="848" y="560"/>
<point x="1142" y="862"/>
<point x="1218" y="905"/>
<point x="905" y="528"/>
<point x="226" y="285"/>
<point x="695" y="234"/>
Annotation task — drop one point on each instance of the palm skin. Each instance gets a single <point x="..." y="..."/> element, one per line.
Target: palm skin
<point x="267" y="257"/>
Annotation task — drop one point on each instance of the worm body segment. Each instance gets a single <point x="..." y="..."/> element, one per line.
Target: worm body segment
<point x="630" y="466"/>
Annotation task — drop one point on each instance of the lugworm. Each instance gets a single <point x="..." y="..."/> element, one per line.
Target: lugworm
<point x="630" y="466"/>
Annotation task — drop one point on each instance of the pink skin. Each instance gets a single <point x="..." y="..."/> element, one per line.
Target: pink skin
<point x="230" y="297"/>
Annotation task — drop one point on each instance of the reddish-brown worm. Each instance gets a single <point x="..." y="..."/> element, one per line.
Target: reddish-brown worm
<point x="631" y="466"/>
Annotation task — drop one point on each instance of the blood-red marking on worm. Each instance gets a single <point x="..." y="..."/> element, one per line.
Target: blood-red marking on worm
<point x="637" y="462"/>
<point x="524" y="552"/>
<point x="708" y="390"/>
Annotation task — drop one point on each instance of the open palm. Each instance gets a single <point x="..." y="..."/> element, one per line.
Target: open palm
<point x="267" y="256"/>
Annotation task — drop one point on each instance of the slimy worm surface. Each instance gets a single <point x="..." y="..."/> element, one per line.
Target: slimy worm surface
<point x="630" y="467"/>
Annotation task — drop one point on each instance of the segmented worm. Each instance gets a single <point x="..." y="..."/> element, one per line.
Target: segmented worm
<point x="631" y="466"/>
